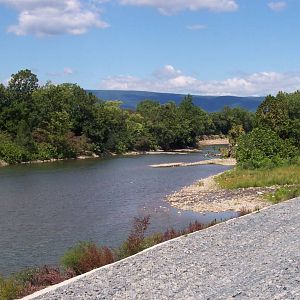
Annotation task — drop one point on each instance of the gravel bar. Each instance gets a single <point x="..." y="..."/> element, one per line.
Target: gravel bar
<point x="254" y="257"/>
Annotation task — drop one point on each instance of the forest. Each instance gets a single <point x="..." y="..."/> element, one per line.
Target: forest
<point x="43" y="122"/>
<point x="50" y="121"/>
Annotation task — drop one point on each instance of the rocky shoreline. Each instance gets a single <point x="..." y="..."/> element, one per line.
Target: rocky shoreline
<point x="207" y="196"/>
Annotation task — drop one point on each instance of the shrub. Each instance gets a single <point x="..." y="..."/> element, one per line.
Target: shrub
<point x="10" y="152"/>
<point x="264" y="148"/>
<point x="135" y="241"/>
<point x="45" y="151"/>
<point x="33" y="280"/>
<point x="85" y="257"/>
<point x="95" y="257"/>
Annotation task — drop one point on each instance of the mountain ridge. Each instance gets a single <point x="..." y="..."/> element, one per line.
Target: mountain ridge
<point x="130" y="99"/>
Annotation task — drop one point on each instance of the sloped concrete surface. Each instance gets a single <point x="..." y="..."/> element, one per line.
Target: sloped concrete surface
<point x="253" y="257"/>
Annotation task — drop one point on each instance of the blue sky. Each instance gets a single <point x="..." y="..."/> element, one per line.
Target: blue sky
<point x="209" y="47"/>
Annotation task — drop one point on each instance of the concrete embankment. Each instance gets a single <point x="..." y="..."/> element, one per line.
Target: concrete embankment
<point x="253" y="257"/>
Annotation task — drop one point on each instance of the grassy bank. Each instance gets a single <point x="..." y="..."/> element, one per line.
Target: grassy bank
<point x="287" y="178"/>
<point x="241" y="178"/>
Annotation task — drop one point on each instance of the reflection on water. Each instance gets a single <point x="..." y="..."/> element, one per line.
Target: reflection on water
<point x="46" y="208"/>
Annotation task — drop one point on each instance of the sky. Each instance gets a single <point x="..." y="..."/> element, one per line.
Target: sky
<point x="204" y="47"/>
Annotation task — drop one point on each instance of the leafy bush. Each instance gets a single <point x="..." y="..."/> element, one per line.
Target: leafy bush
<point x="264" y="148"/>
<point x="85" y="257"/>
<point x="45" y="151"/>
<point x="12" y="153"/>
<point x="35" y="279"/>
<point x="136" y="239"/>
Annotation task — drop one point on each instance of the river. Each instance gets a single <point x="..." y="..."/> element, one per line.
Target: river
<point x="47" y="208"/>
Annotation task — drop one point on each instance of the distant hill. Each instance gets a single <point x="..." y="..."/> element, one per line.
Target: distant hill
<point x="130" y="99"/>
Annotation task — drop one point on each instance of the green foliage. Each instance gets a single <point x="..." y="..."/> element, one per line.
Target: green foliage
<point x="226" y="119"/>
<point x="23" y="83"/>
<point x="63" y="121"/>
<point x="236" y="132"/>
<point x="264" y="148"/>
<point x="171" y="126"/>
<point x="282" y="115"/>
<point x="10" y="152"/>
<point x="71" y="258"/>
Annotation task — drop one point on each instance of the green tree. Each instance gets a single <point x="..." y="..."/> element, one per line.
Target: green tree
<point x="273" y="113"/>
<point x="23" y="83"/>
<point x="264" y="148"/>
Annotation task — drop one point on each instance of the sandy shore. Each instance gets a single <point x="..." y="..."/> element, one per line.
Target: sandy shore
<point x="212" y="142"/>
<point x="3" y="163"/>
<point x="215" y="161"/>
<point x="207" y="196"/>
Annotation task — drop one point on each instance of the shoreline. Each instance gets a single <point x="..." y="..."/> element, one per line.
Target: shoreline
<point x="106" y="155"/>
<point x="206" y="195"/>
<point x="214" y="142"/>
<point x="214" y="161"/>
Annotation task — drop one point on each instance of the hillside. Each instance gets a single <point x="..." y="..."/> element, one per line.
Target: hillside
<point x="130" y="99"/>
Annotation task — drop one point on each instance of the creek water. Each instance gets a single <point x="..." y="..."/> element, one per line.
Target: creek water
<point x="47" y="208"/>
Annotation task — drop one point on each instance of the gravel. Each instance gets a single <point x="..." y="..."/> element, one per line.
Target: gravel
<point x="207" y="196"/>
<point x="253" y="257"/>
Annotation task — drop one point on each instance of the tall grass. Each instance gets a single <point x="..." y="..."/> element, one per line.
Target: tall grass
<point x="242" y="178"/>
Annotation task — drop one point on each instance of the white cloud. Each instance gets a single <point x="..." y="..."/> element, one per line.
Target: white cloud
<point x="196" y="27"/>
<point x="68" y="71"/>
<point x="277" y="6"/>
<point x="168" y="71"/>
<point x="256" y="84"/>
<point x="172" y="6"/>
<point x="52" y="17"/>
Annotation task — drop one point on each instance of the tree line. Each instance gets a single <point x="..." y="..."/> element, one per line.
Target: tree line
<point x="41" y="122"/>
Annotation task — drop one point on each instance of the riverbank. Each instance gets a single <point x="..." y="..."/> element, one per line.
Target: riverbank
<point x="109" y="154"/>
<point x="207" y="196"/>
